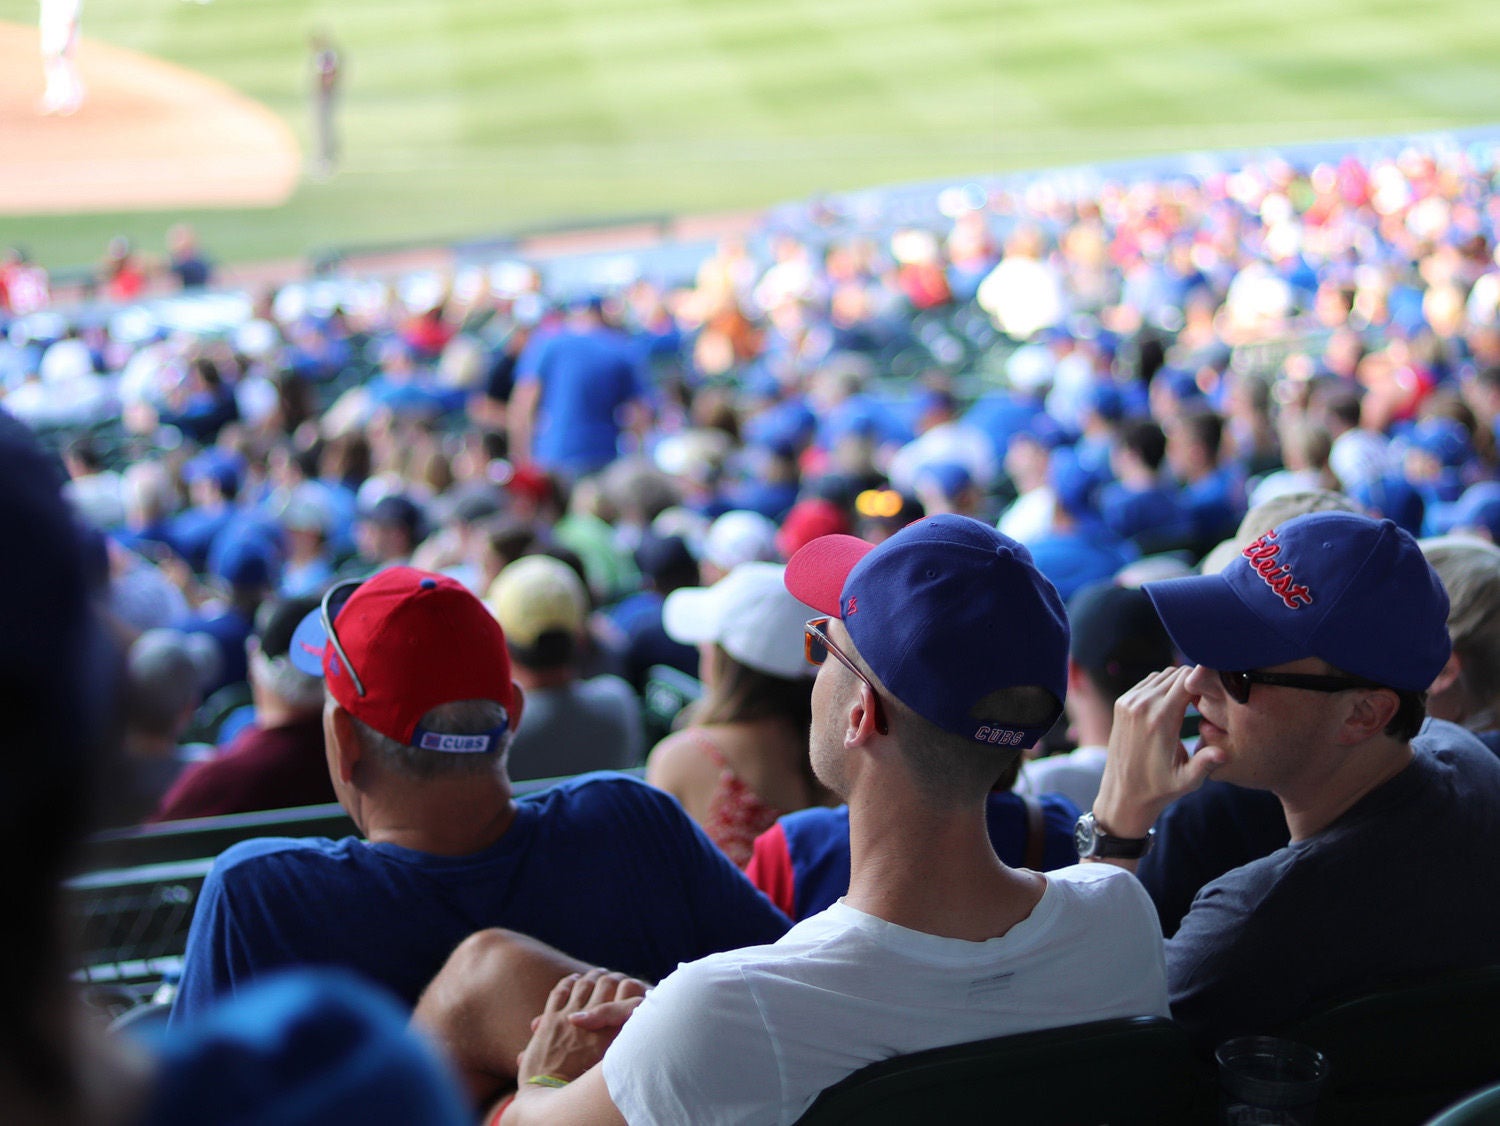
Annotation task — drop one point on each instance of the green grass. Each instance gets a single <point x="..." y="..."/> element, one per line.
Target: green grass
<point x="467" y="118"/>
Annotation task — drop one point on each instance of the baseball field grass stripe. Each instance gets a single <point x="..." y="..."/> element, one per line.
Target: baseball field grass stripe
<point x="471" y="117"/>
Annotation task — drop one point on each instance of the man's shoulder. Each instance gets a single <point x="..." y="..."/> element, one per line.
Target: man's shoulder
<point x="248" y="859"/>
<point x="606" y="687"/>
<point x="601" y="794"/>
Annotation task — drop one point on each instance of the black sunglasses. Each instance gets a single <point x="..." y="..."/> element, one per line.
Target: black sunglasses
<point x="333" y="602"/>
<point x="1237" y="684"/>
<point x="816" y="646"/>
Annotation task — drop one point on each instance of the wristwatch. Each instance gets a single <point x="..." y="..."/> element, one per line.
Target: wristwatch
<point x="1093" y="843"/>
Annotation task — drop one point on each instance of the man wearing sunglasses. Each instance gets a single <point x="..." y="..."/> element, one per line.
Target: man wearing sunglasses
<point x="419" y="716"/>
<point x="1312" y="653"/>
<point x="949" y="656"/>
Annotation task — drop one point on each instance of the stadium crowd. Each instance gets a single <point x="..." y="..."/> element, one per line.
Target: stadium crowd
<point x="1047" y="474"/>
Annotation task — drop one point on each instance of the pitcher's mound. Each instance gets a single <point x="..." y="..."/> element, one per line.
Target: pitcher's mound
<point x="150" y="136"/>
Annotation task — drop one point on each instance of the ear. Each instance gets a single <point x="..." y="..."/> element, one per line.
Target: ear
<point x="518" y="705"/>
<point x="346" y="750"/>
<point x="1077" y="678"/>
<point x="1368" y="716"/>
<point x="865" y="719"/>
<point x="1448" y="677"/>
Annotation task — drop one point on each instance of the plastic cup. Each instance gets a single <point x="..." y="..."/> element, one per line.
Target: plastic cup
<point x="1265" y="1081"/>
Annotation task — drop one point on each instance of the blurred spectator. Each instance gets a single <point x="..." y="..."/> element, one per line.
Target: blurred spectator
<point x="1140" y="506"/>
<point x="247" y="574"/>
<point x="307" y="523"/>
<point x="734" y="538"/>
<point x="121" y="277"/>
<point x="1028" y="462"/>
<point x="808" y="520"/>
<point x="943" y="437"/>
<point x="1078" y="548"/>
<point x="576" y="390"/>
<point x="166" y="673"/>
<point x="186" y="259"/>
<point x="1023" y="293"/>
<point x="385" y="535"/>
<point x="1467" y="691"/>
<point x="947" y="487"/>
<point x="278" y="760"/>
<point x="742" y="761"/>
<point x="95" y="490"/>
<point x="1211" y="492"/>
<point x="634" y="626"/>
<point x="573" y="725"/>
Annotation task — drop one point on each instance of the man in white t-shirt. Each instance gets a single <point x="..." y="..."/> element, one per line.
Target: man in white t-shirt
<point x="950" y="656"/>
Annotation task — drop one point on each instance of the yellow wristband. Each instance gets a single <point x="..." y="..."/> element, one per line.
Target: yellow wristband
<point x="547" y="1081"/>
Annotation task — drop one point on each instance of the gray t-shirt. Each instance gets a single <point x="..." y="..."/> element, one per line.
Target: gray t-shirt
<point x="1404" y="884"/>
<point x="590" y="724"/>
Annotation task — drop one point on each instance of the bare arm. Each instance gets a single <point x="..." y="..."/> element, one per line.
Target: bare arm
<point x="481" y="1004"/>
<point x="521" y="419"/>
<point x="679" y="767"/>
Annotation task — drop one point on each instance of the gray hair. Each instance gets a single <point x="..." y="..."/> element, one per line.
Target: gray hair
<point x="148" y="491"/>
<point x="285" y="681"/>
<point x="464" y="717"/>
<point x="165" y="674"/>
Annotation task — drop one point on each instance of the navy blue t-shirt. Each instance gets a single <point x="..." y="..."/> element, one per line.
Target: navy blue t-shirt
<point x="1402" y="885"/>
<point x="602" y="867"/>
<point x="585" y="377"/>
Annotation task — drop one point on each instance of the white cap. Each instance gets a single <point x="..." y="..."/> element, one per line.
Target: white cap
<point x="739" y="537"/>
<point x="750" y="614"/>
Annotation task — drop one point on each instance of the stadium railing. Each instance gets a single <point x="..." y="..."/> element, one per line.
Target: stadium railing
<point x="133" y="905"/>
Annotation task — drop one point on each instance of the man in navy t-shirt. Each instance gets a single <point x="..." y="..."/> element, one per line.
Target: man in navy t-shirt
<point x="573" y="389"/>
<point x="420" y="713"/>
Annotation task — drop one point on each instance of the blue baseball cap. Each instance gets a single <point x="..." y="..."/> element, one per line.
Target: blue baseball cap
<point x="1478" y="507"/>
<point x="948" y="477"/>
<point x="944" y="613"/>
<point x="225" y="469"/>
<point x="1356" y="592"/>
<point x="1444" y="439"/>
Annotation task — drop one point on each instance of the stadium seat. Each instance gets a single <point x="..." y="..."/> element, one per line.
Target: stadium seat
<point x="1402" y="1054"/>
<point x="668" y="691"/>
<point x="212" y="713"/>
<point x="1129" y="1070"/>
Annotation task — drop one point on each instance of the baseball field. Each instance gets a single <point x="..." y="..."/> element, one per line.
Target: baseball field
<point x="471" y="118"/>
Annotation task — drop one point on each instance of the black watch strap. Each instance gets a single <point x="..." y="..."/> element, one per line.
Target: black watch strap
<point x="1092" y="843"/>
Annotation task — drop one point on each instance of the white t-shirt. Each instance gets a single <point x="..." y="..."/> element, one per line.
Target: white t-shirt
<point x="754" y="1035"/>
<point x="1075" y="775"/>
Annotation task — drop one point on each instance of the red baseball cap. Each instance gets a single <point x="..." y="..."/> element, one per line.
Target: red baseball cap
<point x="809" y="520"/>
<point x="412" y="641"/>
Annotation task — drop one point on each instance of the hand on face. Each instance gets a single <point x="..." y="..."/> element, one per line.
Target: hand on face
<point x="1147" y="765"/>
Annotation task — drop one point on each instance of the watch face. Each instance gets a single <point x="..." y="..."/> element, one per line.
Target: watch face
<point x="1083" y="836"/>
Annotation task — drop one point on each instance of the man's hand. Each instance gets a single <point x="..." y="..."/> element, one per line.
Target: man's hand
<point x="1147" y="766"/>
<point x="583" y="1016"/>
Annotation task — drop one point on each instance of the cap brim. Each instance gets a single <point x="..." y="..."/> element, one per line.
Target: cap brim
<point x="690" y="615"/>
<point x="309" y="640"/>
<point x="816" y="574"/>
<point x="1212" y="626"/>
